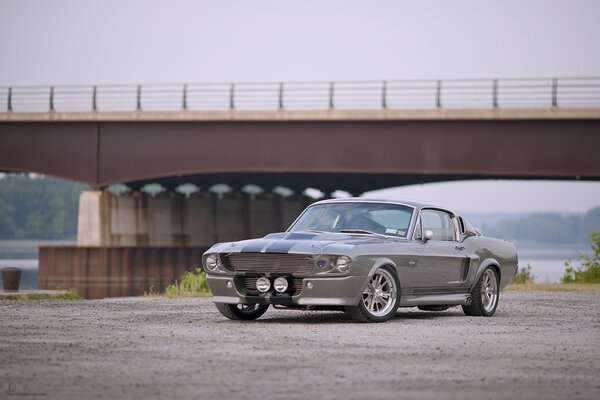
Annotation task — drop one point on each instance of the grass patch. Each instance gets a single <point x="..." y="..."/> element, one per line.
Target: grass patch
<point x="192" y="284"/>
<point x="553" y="287"/>
<point x="523" y="276"/>
<point x="67" y="295"/>
<point x="588" y="270"/>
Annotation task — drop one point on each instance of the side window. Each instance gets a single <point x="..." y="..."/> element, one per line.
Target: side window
<point x="461" y="225"/>
<point x="439" y="223"/>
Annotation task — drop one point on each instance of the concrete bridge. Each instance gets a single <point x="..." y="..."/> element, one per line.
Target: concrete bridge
<point x="458" y="130"/>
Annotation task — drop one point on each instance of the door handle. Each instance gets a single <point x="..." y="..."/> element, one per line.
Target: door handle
<point x="411" y="262"/>
<point x="459" y="248"/>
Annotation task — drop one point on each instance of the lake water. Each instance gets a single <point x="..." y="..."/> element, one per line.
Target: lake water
<point x="547" y="261"/>
<point x="23" y="254"/>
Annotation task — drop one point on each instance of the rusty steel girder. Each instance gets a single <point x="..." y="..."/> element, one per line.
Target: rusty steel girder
<point x="100" y="153"/>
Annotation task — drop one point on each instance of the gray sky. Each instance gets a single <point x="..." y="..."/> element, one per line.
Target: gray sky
<point x="97" y="42"/>
<point x="124" y="41"/>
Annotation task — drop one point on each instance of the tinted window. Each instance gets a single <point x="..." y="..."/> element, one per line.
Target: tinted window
<point x="439" y="223"/>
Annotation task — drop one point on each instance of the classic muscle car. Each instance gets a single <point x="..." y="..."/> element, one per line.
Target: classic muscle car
<point x="365" y="257"/>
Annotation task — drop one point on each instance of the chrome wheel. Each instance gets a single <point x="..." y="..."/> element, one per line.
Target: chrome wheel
<point x="380" y="294"/>
<point x="489" y="290"/>
<point x="485" y="295"/>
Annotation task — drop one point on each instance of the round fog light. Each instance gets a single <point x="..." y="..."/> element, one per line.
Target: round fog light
<point x="263" y="285"/>
<point x="281" y="284"/>
<point x="229" y="285"/>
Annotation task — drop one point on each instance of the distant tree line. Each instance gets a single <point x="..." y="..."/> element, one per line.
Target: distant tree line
<point x="38" y="207"/>
<point x="547" y="227"/>
<point x="47" y="208"/>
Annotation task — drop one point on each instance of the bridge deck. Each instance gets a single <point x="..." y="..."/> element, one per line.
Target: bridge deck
<point x="551" y="113"/>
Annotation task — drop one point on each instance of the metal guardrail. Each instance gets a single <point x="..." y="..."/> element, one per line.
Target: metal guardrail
<point x="413" y="94"/>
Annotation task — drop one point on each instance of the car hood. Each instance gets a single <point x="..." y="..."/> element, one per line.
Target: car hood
<point x="302" y="242"/>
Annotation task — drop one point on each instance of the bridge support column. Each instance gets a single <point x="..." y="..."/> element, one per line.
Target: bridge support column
<point x="93" y="223"/>
<point x="138" y="219"/>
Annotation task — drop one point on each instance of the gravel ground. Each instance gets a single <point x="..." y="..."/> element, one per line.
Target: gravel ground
<point x="542" y="345"/>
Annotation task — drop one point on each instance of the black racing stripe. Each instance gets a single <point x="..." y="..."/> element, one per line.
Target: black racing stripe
<point x="281" y="246"/>
<point x="301" y="236"/>
<point x="255" y="246"/>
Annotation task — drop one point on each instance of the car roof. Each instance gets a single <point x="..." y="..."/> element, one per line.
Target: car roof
<point x="411" y="203"/>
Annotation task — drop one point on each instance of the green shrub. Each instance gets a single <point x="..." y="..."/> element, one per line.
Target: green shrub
<point x="588" y="270"/>
<point x="523" y="276"/>
<point x="191" y="285"/>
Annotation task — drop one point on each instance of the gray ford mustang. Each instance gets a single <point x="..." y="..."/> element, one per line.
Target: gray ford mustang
<point x="365" y="257"/>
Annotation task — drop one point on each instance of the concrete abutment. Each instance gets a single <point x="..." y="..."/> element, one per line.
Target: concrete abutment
<point x="139" y="219"/>
<point x="133" y="243"/>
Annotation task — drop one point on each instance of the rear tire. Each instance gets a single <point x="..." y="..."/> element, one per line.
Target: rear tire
<point x="485" y="295"/>
<point x="380" y="298"/>
<point x="242" y="312"/>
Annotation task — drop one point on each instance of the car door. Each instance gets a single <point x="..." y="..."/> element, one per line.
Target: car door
<point x="441" y="259"/>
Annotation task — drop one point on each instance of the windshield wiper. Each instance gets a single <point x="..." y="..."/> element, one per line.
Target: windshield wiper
<point x="365" y="232"/>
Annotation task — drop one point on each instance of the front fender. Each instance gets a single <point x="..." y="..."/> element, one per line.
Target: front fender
<point x="381" y="262"/>
<point x="378" y="263"/>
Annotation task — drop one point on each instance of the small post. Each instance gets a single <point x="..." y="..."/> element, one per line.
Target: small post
<point x="139" y="98"/>
<point x="9" y="100"/>
<point x="384" y="95"/>
<point x="11" y="278"/>
<point x="94" y="96"/>
<point x="232" y="97"/>
<point x="51" y="98"/>
<point x="331" y="94"/>
<point x="184" y="100"/>
<point x="281" y="95"/>
<point x="495" y="94"/>
<point x="554" y="92"/>
<point x="438" y="95"/>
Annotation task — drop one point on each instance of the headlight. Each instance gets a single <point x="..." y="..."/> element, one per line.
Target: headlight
<point x="212" y="262"/>
<point x="343" y="264"/>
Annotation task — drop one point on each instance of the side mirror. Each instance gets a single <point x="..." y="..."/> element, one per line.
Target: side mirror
<point x="428" y="235"/>
<point x="469" y="233"/>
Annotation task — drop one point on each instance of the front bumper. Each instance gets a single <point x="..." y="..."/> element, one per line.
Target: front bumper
<point x="326" y="291"/>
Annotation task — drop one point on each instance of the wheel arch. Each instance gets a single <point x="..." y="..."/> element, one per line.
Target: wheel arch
<point x="381" y="262"/>
<point x="488" y="262"/>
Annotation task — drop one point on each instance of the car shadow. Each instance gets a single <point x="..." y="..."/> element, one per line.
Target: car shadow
<point x="338" y="317"/>
<point x="428" y="314"/>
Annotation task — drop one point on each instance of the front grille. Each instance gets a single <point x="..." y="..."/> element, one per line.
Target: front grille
<point x="295" y="284"/>
<point x="269" y="263"/>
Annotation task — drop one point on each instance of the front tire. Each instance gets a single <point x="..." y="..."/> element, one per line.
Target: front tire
<point x="484" y="296"/>
<point x="243" y="312"/>
<point x="380" y="298"/>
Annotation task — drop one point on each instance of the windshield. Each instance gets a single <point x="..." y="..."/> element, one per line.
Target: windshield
<point x="386" y="219"/>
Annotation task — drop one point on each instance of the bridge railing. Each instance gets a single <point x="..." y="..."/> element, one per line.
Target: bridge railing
<point x="393" y="94"/>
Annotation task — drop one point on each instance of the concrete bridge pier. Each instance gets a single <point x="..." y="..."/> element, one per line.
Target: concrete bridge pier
<point x="138" y="219"/>
<point x="133" y="243"/>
